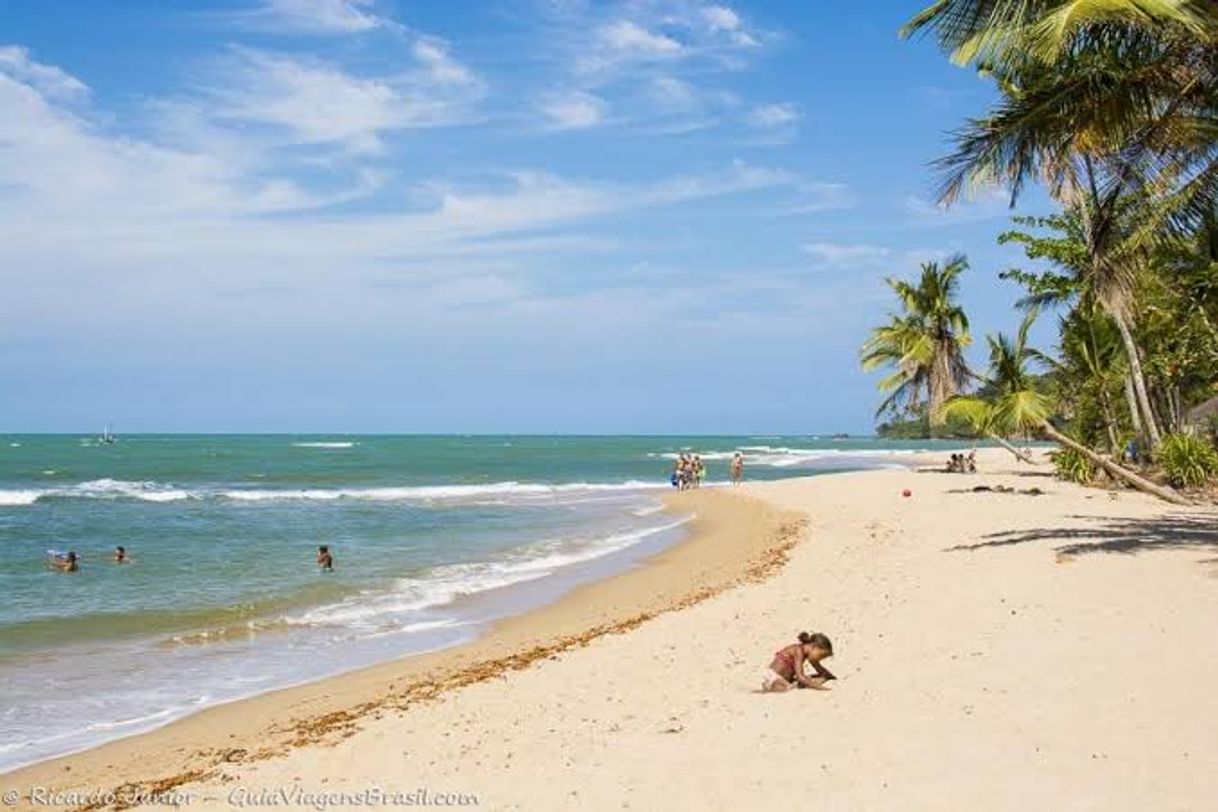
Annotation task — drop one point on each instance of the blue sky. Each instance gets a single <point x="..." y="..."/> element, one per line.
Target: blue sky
<point x="421" y="215"/>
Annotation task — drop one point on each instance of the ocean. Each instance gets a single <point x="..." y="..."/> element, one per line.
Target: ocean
<point x="433" y="537"/>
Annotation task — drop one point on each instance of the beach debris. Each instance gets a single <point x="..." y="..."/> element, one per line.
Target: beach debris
<point x="1033" y="491"/>
<point x="673" y="726"/>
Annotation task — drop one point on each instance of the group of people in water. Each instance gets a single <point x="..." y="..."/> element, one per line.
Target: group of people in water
<point x="70" y="561"/>
<point x="688" y="470"/>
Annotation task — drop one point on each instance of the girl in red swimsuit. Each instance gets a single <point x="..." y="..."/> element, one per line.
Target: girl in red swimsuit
<point x="787" y="669"/>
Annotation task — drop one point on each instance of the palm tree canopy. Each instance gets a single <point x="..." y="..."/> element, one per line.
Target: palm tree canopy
<point x="1131" y="84"/>
<point x="1015" y="405"/>
<point x="988" y="32"/>
<point x="924" y="344"/>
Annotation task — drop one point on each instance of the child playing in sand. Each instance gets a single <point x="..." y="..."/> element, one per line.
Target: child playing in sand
<point x="787" y="669"/>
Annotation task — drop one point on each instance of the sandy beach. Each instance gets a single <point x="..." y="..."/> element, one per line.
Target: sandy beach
<point x="1005" y="650"/>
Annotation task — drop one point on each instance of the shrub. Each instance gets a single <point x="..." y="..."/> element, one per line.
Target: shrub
<point x="1188" y="461"/>
<point x="1073" y="466"/>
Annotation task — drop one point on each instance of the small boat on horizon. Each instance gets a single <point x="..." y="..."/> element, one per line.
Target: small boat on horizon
<point x="107" y="437"/>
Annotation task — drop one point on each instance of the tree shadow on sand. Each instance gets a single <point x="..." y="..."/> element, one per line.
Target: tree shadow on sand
<point x="1108" y="535"/>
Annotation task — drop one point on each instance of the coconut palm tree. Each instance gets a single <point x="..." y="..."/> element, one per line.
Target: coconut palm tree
<point x="1100" y="98"/>
<point x="1017" y="406"/>
<point x="1103" y="258"/>
<point x="924" y="344"/>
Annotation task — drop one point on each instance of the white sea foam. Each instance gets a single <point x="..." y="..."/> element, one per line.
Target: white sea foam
<point x="427" y="493"/>
<point x="99" y="489"/>
<point x="497" y="492"/>
<point x="786" y="457"/>
<point x="325" y="445"/>
<point x="13" y="498"/>
<point x="375" y="611"/>
<point x="649" y="510"/>
<point x="117" y="488"/>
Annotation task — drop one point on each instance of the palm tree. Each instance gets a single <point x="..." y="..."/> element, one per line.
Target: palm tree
<point x="1103" y="258"/>
<point x="1100" y="97"/>
<point x="1017" y="406"/>
<point x="1091" y="353"/>
<point x="924" y="345"/>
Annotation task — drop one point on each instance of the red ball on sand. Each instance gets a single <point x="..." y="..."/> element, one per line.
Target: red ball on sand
<point x="907" y="493"/>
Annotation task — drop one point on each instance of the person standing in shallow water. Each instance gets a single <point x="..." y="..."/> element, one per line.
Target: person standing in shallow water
<point x="737" y="469"/>
<point x="325" y="561"/>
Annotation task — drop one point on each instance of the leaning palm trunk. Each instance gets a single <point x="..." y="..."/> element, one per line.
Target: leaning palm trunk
<point x="1116" y="471"/>
<point x="1139" y="379"/>
<point x="1019" y="455"/>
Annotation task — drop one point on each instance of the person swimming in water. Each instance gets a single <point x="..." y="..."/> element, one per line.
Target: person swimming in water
<point x="787" y="671"/>
<point x="66" y="562"/>
<point x="120" y="555"/>
<point x="324" y="560"/>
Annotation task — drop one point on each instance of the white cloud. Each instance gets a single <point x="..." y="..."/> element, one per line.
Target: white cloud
<point x="721" y="18"/>
<point x="573" y="110"/>
<point x="319" y="16"/>
<point x="773" y="124"/>
<point x="817" y="196"/>
<point x="987" y="204"/>
<point x="632" y="39"/>
<point x="774" y="116"/>
<point x="79" y="199"/>
<point x="656" y="62"/>
<point x="313" y="102"/>
<point x="838" y="256"/>
<point x="724" y="21"/>
<point x="435" y="57"/>
<point x="15" y="62"/>
<point x="673" y="93"/>
<point x="217" y="221"/>
<point x="64" y="172"/>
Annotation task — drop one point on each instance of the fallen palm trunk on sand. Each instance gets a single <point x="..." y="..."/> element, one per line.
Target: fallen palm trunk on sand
<point x="1115" y="471"/>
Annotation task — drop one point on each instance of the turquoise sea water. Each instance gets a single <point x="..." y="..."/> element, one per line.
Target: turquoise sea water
<point x="433" y="537"/>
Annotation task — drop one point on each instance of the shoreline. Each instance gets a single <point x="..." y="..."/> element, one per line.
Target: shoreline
<point x="709" y="560"/>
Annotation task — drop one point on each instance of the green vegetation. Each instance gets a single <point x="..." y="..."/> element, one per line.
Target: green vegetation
<point x="1113" y="107"/>
<point x="1073" y="466"/>
<point x="1188" y="461"/>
